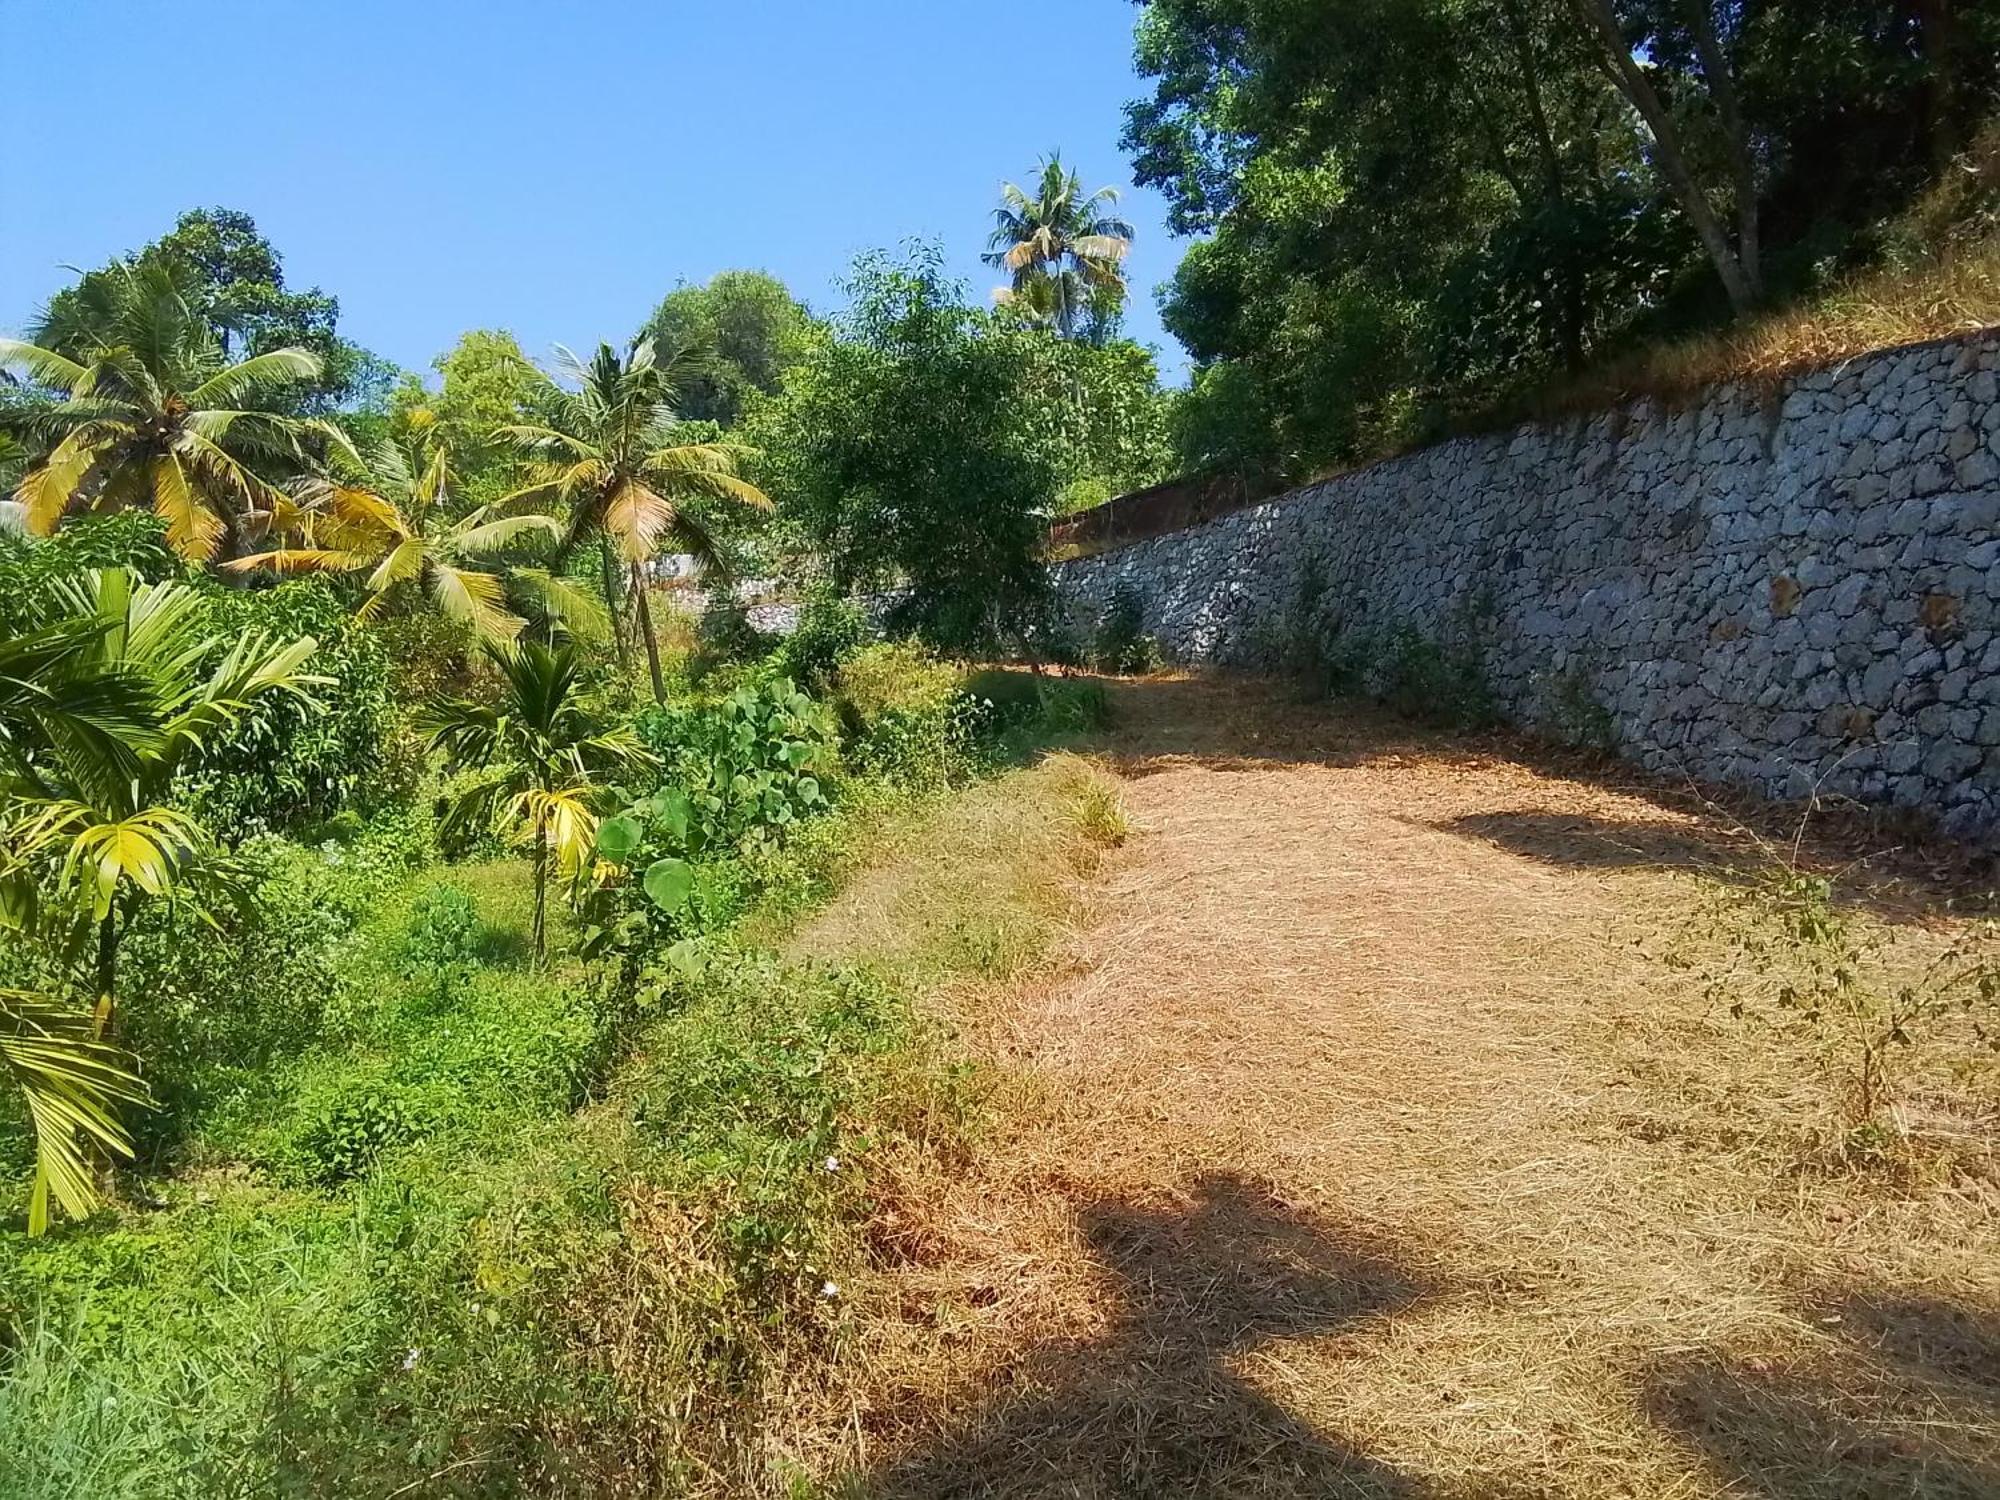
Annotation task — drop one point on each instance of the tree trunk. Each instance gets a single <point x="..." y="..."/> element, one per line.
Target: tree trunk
<point x="1672" y="162"/>
<point x="541" y="887"/>
<point x="1943" y="38"/>
<point x="1721" y="77"/>
<point x="645" y="612"/>
<point x="106" y="973"/>
<point x="1571" y="296"/>
<point x="613" y="602"/>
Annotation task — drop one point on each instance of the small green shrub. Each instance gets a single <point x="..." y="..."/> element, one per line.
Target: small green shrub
<point x="1781" y="953"/>
<point x="830" y="630"/>
<point x="444" y="935"/>
<point x="751" y="764"/>
<point x="906" y="715"/>
<point x="131" y="539"/>
<point x="1568" y="712"/>
<point x="724" y="633"/>
<point x="1121" y="644"/>
<point x="1433" y="683"/>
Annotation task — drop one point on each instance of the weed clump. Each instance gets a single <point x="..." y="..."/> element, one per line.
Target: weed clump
<point x="1122" y="645"/>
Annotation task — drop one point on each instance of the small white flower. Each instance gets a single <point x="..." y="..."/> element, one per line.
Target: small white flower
<point x="110" y="1402"/>
<point x="829" y="1290"/>
<point x="833" y="1164"/>
<point x="410" y="1359"/>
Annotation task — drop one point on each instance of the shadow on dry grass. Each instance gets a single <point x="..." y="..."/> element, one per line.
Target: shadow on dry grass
<point x="1581" y="810"/>
<point x="1152" y="1406"/>
<point x="1902" y="1399"/>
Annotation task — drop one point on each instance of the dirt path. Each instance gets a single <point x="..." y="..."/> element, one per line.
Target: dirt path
<point x="1361" y="1148"/>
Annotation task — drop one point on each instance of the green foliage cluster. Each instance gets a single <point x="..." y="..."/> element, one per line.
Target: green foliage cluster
<point x="923" y="444"/>
<point x="235" y="281"/>
<point x="1410" y="210"/>
<point x="830" y="629"/>
<point x="907" y="716"/>
<point x="1121" y="644"/>
<point x="744" y="332"/>
<point x="752" y="764"/>
<point x="289" y="762"/>
<point x="1436" y="678"/>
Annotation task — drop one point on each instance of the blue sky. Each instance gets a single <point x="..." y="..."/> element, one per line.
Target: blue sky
<point x="554" y="167"/>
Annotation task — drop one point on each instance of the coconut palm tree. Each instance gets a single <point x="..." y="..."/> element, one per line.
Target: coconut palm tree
<point x="611" y="454"/>
<point x="548" y="753"/>
<point x="144" y="407"/>
<point x="388" y="515"/>
<point x="99" y="711"/>
<point x="1064" y="251"/>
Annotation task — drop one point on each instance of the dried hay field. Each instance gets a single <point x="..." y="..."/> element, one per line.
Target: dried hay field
<point x="1361" y="1140"/>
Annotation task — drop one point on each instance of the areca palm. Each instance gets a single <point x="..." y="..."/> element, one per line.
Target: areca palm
<point x="389" y="516"/>
<point x="99" y="710"/>
<point x="1064" y="249"/>
<point x="145" y="407"/>
<point x="548" y="754"/>
<point x="611" y="454"/>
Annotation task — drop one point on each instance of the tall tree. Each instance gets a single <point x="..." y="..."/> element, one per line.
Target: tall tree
<point x="145" y="407"/>
<point x="611" y="451"/>
<point x="485" y="382"/>
<point x="233" y="279"/>
<point x="1064" y="251"/>
<point x="1628" y="54"/>
<point x="736" y="338"/>
<point x="918" y="449"/>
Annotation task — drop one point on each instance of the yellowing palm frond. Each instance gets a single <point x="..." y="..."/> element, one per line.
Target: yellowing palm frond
<point x="565" y="816"/>
<point x="477" y="599"/>
<point x="193" y="530"/>
<point x="73" y="1084"/>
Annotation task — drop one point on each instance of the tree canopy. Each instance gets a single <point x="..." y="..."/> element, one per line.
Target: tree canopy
<point x="1410" y="206"/>
<point x="234" y="281"/>
<point x="739" y="335"/>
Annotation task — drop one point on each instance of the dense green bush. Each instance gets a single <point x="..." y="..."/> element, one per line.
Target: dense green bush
<point x="1122" y="645"/>
<point x="294" y="763"/>
<point x="130" y="539"/>
<point x="290" y="763"/>
<point x="217" y="1004"/>
<point x="830" y="629"/>
<point x="905" y="713"/>
<point x="751" y="764"/>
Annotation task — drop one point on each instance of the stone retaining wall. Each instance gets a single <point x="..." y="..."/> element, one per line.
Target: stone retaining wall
<point x="1783" y="588"/>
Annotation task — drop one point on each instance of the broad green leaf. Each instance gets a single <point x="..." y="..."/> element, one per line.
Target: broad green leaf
<point x="669" y="883"/>
<point x="619" y="839"/>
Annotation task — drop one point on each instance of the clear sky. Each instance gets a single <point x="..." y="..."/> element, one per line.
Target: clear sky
<point x="551" y="166"/>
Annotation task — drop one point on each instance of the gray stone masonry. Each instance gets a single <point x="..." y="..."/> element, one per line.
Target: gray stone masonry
<point x="1782" y="588"/>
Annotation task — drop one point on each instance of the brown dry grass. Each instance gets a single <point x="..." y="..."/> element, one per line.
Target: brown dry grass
<point x="1357" y="1146"/>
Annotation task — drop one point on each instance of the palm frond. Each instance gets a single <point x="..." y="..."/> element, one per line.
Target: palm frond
<point x="574" y="606"/>
<point x="476" y="599"/>
<point x="193" y="529"/>
<point x="260" y="372"/>
<point x="73" y="1085"/>
<point x="46" y="491"/>
<point x="486" y="537"/>
<point x="44" y="366"/>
